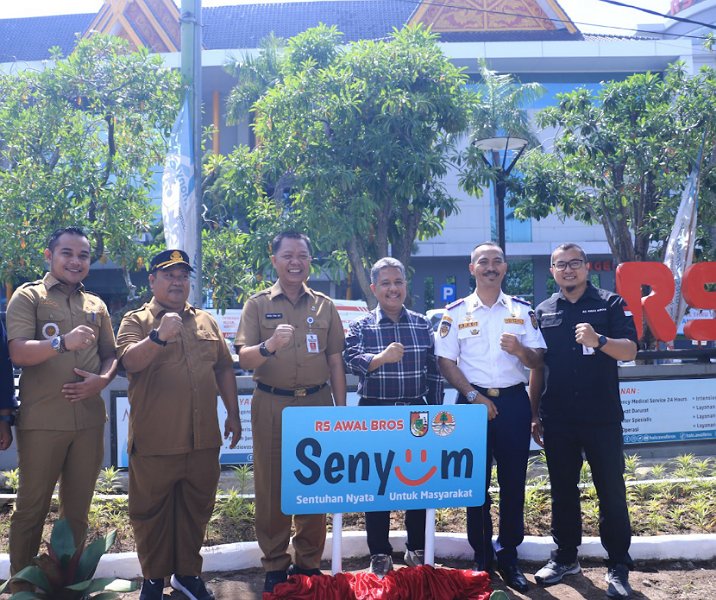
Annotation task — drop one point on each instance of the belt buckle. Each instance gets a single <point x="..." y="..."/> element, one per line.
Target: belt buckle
<point x="300" y="392"/>
<point x="493" y="392"/>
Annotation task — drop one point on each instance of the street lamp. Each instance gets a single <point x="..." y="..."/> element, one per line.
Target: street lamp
<point x="495" y="146"/>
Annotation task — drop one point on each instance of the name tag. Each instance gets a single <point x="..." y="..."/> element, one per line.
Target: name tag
<point x="274" y="315"/>
<point x="312" y="343"/>
<point x="515" y="321"/>
<point x="468" y="325"/>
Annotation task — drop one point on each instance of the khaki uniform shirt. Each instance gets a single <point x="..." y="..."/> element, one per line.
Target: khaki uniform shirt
<point x="40" y="310"/>
<point x="318" y="333"/>
<point x="173" y="400"/>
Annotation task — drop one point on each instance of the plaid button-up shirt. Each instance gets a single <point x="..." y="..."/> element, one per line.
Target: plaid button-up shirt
<point x="414" y="376"/>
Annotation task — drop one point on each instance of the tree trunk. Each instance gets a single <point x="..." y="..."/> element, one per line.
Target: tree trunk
<point x="355" y="256"/>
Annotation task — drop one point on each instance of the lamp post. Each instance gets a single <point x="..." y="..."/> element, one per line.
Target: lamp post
<point x="495" y="146"/>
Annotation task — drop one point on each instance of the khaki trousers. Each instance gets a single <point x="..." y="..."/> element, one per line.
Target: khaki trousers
<point x="273" y="528"/>
<point x="73" y="457"/>
<point x="171" y="499"/>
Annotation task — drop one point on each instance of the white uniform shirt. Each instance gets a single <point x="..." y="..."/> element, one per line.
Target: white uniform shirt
<point x="469" y="333"/>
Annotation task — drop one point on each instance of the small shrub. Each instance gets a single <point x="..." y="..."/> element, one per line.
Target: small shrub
<point x="11" y="479"/>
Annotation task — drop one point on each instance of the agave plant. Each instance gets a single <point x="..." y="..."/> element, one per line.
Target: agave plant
<point x="67" y="572"/>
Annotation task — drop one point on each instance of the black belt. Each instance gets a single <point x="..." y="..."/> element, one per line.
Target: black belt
<point x="497" y="392"/>
<point x="368" y="401"/>
<point x="297" y="393"/>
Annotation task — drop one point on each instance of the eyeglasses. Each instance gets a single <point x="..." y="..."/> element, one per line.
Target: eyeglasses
<point x="572" y="264"/>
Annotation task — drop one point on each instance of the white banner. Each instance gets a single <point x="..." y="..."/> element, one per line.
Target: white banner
<point x="680" y="246"/>
<point x="179" y="197"/>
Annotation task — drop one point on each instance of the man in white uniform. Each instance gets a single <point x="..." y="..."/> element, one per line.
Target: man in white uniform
<point x="483" y="345"/>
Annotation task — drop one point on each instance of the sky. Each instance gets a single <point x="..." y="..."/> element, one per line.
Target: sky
<point x="581" y="11"/>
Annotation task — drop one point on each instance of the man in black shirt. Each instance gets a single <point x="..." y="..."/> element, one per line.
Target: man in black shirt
<point x="576" y="410"/>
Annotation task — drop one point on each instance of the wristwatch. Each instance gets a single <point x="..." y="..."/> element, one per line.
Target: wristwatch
<point x="8" y="418"/>
<point x="602" y="341"/>
<point x="265" y="351"/>
<point x="58" y="344"/>
<point x="154" y="336"/>
<point x="471" y="396"/>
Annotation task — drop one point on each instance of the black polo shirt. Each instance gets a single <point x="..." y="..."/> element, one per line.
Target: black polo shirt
<point x="582" y="387"/>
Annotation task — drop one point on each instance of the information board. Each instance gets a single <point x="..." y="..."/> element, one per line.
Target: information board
<point x="668" y="410"/>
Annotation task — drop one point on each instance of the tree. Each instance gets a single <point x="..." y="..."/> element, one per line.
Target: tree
<point x="499" y="110"/>
<point x="354" y="144"/>
<point x="80" y="140"/>
<point x="621" y="157"/>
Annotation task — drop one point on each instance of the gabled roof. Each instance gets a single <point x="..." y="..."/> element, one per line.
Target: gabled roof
<point x="496" y="20"/>
<point x="153" y="24"/>
<point x="243" y="26"/>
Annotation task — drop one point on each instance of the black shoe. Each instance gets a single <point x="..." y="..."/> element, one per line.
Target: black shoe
<point x="478" y="567"/>
<point x="152" y="589"/>
<point x="513" y="577"/>
<point x="273" y="578"/>
<point x="296" y="570"/>
<point x="191" y="586"/>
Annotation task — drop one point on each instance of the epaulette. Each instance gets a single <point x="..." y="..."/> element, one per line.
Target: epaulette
<point x="454" y="304"/>
<point x="136" y="310"/>
<point x="322" y="295"/>
<point x="520" y="300"/>
<point x="28" y="284"/>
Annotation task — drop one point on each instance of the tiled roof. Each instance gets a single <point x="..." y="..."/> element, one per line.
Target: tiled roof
<point x="31" y="38"/>
<point x="597" y="37"/>
<point x="244" y="26"/>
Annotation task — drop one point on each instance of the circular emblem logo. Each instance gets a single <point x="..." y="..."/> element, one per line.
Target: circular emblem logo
<point x="443" y="423"/>
<point x="50" y="330"/>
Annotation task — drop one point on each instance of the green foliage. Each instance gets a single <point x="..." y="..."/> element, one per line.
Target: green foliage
<point x="354" y="143"/>
<point x="108" y="480"/>
<point x="67" y="572"/>
<point x="499" y="110"/>
<point x="80" y="140"/>
<point x="11" y="479"/>
<point x="621" y="158"/>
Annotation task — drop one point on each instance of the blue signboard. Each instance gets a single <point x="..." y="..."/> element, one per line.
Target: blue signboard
<point x="356" y="459"/>
<point x="448" y="293"/>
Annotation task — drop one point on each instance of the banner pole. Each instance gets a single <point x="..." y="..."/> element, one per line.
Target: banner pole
<point x="337" y="547"/>
<point x="429" y="558"/>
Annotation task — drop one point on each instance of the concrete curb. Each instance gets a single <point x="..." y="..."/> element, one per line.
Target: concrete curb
<point x="246" y="555"/>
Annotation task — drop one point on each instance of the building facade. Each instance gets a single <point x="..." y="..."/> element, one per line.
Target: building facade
<point x="533" y="39"/>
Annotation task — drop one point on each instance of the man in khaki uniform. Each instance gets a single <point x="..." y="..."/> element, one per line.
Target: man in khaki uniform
<point x="62" y="338"/>
<point x="176" y="360"/>
<point x="292" y="337"/>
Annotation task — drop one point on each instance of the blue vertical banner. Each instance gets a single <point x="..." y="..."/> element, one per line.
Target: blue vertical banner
<point x="356" y="459"/>
<point x="179" y="198"/>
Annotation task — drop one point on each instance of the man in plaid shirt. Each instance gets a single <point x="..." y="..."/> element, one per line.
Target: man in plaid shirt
<point x="392" y="351"/>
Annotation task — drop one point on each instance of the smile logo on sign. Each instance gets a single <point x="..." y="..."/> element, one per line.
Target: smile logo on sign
<point x="443" y="423"/>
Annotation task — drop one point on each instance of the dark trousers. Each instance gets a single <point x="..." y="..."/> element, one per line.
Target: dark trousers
<point x="377" y="524"/>
<point x="508" y="445"/>
<point x="603" y="448"/>
<point x="377" y="528"/>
